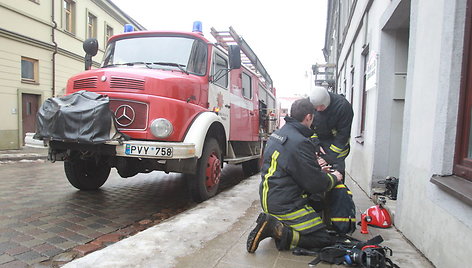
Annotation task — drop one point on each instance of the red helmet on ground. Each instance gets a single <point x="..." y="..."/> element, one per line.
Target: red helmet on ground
<point x="378" y="217"/>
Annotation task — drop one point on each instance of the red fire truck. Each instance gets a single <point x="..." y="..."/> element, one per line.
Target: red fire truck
<point x="187" y="105"/>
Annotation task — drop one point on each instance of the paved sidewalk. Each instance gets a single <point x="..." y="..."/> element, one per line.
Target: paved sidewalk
<point x="229" y="249"/>
<point x="214" y="234"/>
<point x="24" y="153"/>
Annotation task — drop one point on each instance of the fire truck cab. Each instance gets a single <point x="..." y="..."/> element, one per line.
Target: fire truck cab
<point x="187" y="105"/>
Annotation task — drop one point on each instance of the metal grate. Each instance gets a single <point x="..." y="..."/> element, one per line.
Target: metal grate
<point x="126" y="83"/>
<point x="136" y="112"/>
<point x="90" y="82"/>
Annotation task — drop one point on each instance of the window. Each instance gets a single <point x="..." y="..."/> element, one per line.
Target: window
<point x="198" y="58"/>
<point x="108" y="32"/>
<point x="29" y="70"/>
<point x="247" y="87"/>
<point x="365" y="57"/>
<point x="263" y="94"/>
<point x="69" y="15"/>
<point x="463" y="152"/>
<point x="351" y="93"/>
<point x="220" y="71"/>
<point x="91" y="25"/>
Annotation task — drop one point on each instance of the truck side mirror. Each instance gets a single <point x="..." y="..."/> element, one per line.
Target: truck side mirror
<point x="234" y="57"/>
<point x="91" y="48"/>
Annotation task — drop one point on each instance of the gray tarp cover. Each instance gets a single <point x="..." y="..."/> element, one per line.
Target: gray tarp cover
<point x="83" y="117"/>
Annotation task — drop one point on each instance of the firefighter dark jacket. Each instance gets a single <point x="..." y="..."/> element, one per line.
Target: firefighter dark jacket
<point x="333" y="127"/>
<point x="290" y="173"/>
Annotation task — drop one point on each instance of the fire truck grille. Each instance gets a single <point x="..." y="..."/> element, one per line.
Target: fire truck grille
<point x="126" y="83"/>
<point x="129" y="114"/>
<point x="90" y="82"/>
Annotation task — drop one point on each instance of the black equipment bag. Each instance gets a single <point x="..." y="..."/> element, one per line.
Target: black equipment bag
<point x="368" y="254"/>
<point x="83" y="117"/>
<point x="341" y="209"/>
<point x="391" y="187"/>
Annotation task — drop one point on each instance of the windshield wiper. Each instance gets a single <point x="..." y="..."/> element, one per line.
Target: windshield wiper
<point x="173" y="64"/>
<point x="130" y="64"/>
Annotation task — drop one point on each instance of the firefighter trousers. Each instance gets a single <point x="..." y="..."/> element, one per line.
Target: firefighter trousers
<point x="312" y="241"/>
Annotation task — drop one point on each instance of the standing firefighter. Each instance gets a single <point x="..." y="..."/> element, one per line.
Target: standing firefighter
<point x="290" y="173"/>
<point x="332" y="125"/>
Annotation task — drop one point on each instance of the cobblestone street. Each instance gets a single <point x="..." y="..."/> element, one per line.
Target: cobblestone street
<point x="42" y="215"/>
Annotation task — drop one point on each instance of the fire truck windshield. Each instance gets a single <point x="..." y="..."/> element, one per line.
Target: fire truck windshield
<point x="158" y="52"/>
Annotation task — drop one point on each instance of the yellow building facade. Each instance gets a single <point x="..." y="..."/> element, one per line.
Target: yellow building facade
<point x="40" y="48"/>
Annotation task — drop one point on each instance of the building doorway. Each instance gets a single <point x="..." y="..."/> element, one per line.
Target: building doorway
<point x="29" y="106"/>
<point x="393" y="73"/>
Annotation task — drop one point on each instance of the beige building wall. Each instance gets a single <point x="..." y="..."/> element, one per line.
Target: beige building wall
<point x="30" y="29"/>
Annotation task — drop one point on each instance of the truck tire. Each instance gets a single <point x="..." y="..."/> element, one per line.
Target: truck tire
<point x="251" y="167"/>
<point x="87" y="174"/>
<point x="204" y="184"/>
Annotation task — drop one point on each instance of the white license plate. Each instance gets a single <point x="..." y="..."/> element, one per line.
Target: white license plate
<point x="148" y="150"/>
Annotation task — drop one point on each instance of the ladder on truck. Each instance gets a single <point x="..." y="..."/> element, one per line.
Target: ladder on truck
<point x="248" y="57"/>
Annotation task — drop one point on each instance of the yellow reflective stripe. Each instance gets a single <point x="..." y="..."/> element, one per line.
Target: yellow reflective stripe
<point x="344" y="219"/>
<point x="294" y="215"/>
<point x="333" y="181"/>
<point x="335" y="149"/>
<point x="295" y="239"/>
<point x="340" y="186"/>
<point x="349" y="192"/>
<point x="314" y="136"/>
<point x="270" y="172"/>
<point x="307" y="224"/>
<point x="343" y="153"/>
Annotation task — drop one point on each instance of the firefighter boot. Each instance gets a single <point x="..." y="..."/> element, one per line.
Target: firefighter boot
<point x="267" y="226"/>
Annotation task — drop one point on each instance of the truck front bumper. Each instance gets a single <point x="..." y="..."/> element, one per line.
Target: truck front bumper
<point x="131" y="148"/>
<point x="154" y="149"/>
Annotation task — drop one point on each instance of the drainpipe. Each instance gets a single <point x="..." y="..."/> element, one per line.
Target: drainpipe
<point x="338" y="49"/>
<point x="53" y="39"/>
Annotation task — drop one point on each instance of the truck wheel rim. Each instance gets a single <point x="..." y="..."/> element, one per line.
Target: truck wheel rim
<point x="213" y="171"/>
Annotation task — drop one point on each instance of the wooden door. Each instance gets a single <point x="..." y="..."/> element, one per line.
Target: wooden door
<point x="29" y="106"/>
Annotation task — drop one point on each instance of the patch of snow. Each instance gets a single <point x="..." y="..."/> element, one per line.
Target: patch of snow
<point x="160" y="245"/>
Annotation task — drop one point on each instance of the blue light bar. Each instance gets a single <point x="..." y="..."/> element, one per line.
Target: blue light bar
<point x="129" y="28"/>
<point x="197" y="27"/>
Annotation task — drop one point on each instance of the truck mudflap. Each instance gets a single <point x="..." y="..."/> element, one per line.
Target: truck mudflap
<point x="82" y="117"/>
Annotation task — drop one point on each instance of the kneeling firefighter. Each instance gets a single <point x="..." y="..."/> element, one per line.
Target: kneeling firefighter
<point x="290" y="173"/>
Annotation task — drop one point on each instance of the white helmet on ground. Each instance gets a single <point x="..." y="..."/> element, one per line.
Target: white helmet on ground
<point x="319" y="96"/>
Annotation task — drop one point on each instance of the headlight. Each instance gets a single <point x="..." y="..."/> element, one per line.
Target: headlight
<point x="161" y="128"/>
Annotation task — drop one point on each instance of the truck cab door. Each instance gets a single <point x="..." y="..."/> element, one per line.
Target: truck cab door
<point x="219" y="96"/>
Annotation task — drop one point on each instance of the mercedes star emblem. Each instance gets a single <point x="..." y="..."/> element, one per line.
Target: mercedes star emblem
<point x="124" y="115"/>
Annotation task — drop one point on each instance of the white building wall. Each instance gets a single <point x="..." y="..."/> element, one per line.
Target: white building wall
<point x="437" y="223"/>
<point x="363" y="32"/>
<point x="410" y="127"/>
